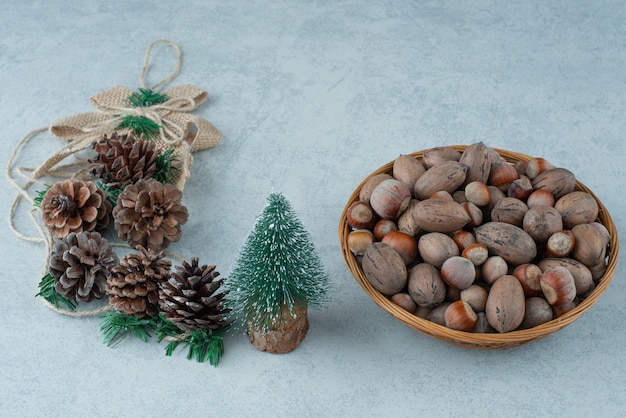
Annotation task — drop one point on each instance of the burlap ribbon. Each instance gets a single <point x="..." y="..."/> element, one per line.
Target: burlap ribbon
<point x="180" y="130"/>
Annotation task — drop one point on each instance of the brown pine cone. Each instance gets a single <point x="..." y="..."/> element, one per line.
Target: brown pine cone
<point x="133" y="286"/>
<point x="74" y="206"/>
<point x="189" y="299"/>
<point x="81" y="263"/>
<point x="122" y="160"/>
<point x="149" y="213"/>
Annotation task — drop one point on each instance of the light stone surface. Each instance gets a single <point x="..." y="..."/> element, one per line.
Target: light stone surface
<point x="311" y="97"/>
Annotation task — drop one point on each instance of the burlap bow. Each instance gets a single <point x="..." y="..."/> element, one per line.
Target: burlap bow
<point x="180" y="130"/>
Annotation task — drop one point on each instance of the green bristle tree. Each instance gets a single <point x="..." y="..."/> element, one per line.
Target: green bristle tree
<point x="277" y="274"/>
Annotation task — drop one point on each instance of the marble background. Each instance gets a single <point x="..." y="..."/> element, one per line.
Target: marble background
<point x="312" y="96"/>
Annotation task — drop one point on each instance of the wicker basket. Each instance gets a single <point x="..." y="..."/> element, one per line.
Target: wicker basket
<point x="490" y="341"/>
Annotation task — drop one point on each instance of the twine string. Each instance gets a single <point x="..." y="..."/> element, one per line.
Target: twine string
<point x="144" y="70"/>
<point x="50" y="168"/>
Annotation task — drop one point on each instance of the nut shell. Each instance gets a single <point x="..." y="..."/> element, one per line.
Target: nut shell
<point x="366" y="191"/>
<point x="404" y="301"/>
<point x="438" y="215"/>
<point x="493" y="268"/>
<point x="384" y="268"/>
<point x="590" y="248"/>
<point x="540" y="198"/>
<point x="359" y="240"/>
<point x="447" y="176"/>
<point x="478" y="193"/>
<point x="439" y="155"/>
<point x="426" y="286"/>
<point x="583" y="277"/>
<point x="577" y="208"/>
<point x="390" y="198"/>
<point x="460" y="316"/>
<point x="511" y="243"/>
<point x="536" y="312"/>
<point x="558" y="286"/>
<point x="458" y="272"/>
<point x="558" y="181"/>
<point x="361" y="215"/>
<point x="436" y="247"/>
<point x="541" y="222"/>
<point x="384" y="226"/>
<point x="476" y="157"/>
<point x="506" y="304"/>
<point x="509" y="210"/>
<point x="476" y="296"/>
<point x="403" y="243"/>
<point x="407" y="169"/>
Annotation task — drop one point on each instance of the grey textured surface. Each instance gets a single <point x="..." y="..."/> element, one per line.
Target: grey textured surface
<point x="311" y="97"/>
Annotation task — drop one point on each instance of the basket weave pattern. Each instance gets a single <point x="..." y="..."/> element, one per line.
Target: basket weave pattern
<point x="491" y="341"/>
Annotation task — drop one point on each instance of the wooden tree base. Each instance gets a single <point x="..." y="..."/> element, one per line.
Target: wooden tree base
<point x="284" y="338"/>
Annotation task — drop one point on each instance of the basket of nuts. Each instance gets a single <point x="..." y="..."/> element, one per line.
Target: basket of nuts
<point x="479" y="247"/>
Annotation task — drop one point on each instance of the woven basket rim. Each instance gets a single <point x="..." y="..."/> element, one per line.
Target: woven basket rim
<point x="479" y="340"/>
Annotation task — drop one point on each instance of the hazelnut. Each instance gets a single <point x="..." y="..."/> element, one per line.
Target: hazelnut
<point x="383" y="227"/>
<point x="404" y="301"/>
<point x="460" y="316"/>
<point x="390" y="198"/>
<point x="403" y="243"/>
<point x="436" y="247"/>
<point x="359" y="240"/>
<point x="458" y="272"/>
<point x="493" y="268"/>
<point x="478" y="193"/>
<point x="360" y="215"/>
<point x="540" y="198"/>
<point x="529" y="275"/>
<point x="558" y="286"/>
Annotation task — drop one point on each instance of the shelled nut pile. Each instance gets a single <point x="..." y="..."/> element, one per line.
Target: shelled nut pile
<point x="476" y="243"/>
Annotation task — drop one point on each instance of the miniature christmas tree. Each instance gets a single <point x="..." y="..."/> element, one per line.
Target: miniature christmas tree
<point x="276" y="277"/>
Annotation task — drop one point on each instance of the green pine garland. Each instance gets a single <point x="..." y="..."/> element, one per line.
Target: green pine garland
<point x="204" y="345"/>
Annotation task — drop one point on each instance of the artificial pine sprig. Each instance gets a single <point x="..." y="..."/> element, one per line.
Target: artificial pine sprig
<point x="49" y="293"/>
<point x="115" y="326"/>
<point x="164" y="328"/>
<point x="139" y="125"/>
<point x="40" y="195"/>
<point x="112" y="194"/>
<point x="164" y="168"/>
<point x="146" y="97"/>
<point x="204" y="345"/>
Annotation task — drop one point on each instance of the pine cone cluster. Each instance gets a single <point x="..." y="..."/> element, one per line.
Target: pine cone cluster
<point x="123" y="160"/>
<point x="189" y="299"/>
<point x="133" y="286"/>
<point x="74" y="206"/>
<point x="150" y="214"/>
<point x="80" y="264"/>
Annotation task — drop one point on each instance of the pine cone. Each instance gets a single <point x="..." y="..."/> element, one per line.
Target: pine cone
<point x="81" y="263"/>
<point x="74" y="206"/>
<point x="149" y="213"/>
<point x="189" y="299"/>
<point x="122" y="160"/>
<point x="134" y="284"/>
